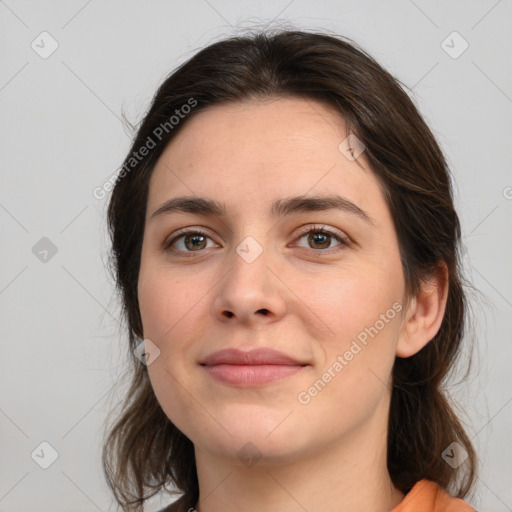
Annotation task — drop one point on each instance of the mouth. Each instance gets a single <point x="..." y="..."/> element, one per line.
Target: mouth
<point x="252" y="368"/>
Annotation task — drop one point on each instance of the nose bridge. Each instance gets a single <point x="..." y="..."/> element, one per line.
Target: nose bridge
<point x="249" y="263"/>
<point x="249" y="286"/>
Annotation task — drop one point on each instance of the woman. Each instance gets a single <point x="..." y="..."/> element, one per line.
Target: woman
<point x="287" y="251"/>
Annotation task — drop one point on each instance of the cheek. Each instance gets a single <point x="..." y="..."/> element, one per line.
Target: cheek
<point x="353" y="300"/>
<point x="357" y="363"/>
<point x="164" y="301"/>
<point x="168" y="314"/>
<point x="363" y="311"/>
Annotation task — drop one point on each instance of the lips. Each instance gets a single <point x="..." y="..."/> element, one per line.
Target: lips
<point x="257" y="356"/>
<point x="250" y="368"/>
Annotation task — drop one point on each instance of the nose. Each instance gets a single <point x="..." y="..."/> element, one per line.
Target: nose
<point x="250" y="292"/>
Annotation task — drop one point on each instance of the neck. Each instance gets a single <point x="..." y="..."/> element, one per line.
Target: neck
<point x="347" y="476"/>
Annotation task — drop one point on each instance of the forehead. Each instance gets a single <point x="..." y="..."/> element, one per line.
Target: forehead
<point x="249" y="154"/>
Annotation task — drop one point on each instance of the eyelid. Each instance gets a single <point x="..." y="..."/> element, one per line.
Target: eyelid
<point x="323" y="228"/>
<point x="191" y="230"/>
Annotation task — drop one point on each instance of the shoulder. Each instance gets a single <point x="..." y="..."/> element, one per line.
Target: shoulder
<point x="428" y="496"/>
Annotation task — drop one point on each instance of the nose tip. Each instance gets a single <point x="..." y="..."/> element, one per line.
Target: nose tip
<point x="263" y="311"/>
<point x="249" y="292"/>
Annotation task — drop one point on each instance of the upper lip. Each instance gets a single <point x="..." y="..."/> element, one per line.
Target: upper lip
<point x="256" y="356"/>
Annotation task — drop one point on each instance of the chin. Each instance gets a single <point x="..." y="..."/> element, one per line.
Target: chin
<point x="255" y="436"/>
<point x="247" y="450"/>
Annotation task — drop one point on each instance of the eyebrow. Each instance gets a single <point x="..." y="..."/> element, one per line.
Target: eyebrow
<point x="280" y="208"/>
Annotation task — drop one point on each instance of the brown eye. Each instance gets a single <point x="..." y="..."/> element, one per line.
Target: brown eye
<point x="194" y="241"/>
<point x="189" y="241"/>
<point x="321" y="239"/>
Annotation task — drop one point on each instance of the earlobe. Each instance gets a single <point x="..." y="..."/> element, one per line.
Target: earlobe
<point x="425" y="313"/>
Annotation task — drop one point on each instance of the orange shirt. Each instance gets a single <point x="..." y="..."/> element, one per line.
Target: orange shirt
<point x="427" y="496"/>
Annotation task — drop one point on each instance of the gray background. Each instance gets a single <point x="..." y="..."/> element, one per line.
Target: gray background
<point x="61" y="136"/>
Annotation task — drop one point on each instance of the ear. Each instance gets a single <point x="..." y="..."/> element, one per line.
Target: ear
<point x="425" y="313"/>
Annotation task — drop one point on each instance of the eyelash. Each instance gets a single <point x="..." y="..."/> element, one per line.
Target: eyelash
<point x="344" y="240"/>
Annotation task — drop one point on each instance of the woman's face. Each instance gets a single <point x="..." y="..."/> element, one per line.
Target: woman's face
<point x="260" y="275"/>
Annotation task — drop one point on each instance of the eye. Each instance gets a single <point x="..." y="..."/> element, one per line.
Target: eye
<point x="189" y="240"/>
<point x="321" y="238"/>
<point x="194" y="240"/>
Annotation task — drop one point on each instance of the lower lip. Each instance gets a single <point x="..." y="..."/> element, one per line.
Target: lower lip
<point x="251" y="375"/>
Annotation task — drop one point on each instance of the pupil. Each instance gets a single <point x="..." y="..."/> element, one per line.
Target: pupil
<point x="318" y="240"/>
<point x="196" y="240"/>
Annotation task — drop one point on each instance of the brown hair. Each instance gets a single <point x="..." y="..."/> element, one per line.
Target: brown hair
<point x="144" y="451"/>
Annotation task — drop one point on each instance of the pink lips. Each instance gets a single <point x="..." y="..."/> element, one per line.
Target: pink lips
<point x="253" y="368"/>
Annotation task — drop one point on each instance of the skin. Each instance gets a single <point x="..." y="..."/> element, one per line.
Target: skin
<point x="326" y="454"/>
